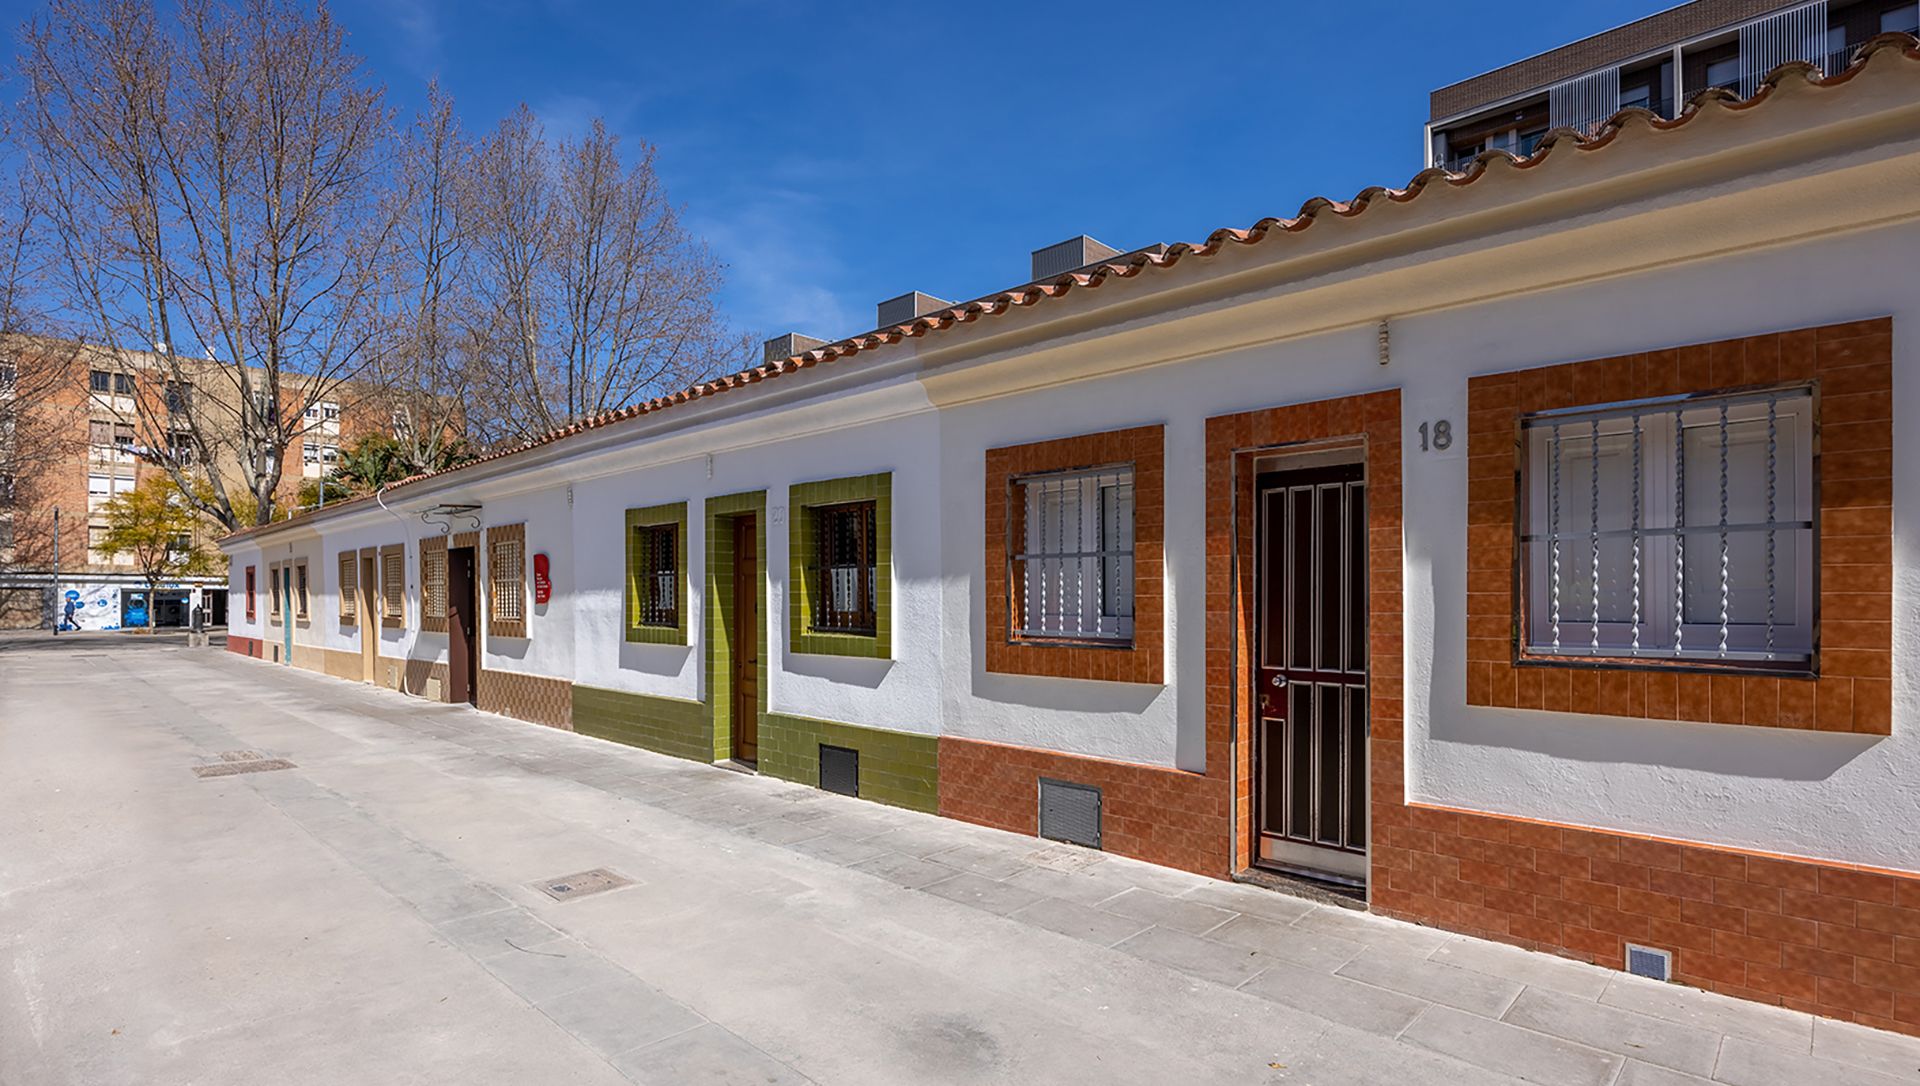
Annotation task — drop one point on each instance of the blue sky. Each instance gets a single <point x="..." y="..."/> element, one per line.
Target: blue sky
<point x="835" y="155"/>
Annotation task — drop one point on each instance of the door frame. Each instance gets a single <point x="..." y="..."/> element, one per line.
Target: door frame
<point x="1276" y="851"/>
<point x="1371" y="421"/>
<point x="463" y="645"/>
<point x="718" y="612"/>
<point x="749" y="594"/>
<point x="367" y="570"/>
<point x="286" y="613"/>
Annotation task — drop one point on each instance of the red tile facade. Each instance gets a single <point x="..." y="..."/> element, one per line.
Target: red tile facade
<point x="1852" y="367"/>
<point x="245" y="646"/>
<point x="1163" y="816"/>
<point x="1831" y="939"/>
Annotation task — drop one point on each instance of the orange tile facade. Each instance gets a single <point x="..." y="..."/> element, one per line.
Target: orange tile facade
<point x="1852" y="368"/>
<point x="1143" y="447"/>
<point x="1163" y="816"/>
<point x="1232" y="443"/>
<point x="1827" y="938"/>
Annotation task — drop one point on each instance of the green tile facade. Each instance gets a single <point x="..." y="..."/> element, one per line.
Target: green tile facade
<point x="668" y="725"/>
<point x="674" y="513"/>
<point x="897" y="768"/>
<point x="802" y="585"/>
<point x="719" y="613"/>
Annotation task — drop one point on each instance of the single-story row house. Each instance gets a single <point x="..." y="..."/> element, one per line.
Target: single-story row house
<point x="1519" y="550"/>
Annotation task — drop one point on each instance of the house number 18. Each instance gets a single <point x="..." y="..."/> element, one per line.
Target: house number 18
<point x="1436" y="436"/>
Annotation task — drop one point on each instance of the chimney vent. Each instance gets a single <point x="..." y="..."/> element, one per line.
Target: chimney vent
<point x="786" y="346"/>
<point x="1071" y="254"/>
<point x="908" y="306"/>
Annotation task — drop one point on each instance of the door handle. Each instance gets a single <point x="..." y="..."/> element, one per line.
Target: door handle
<point x="1278" y="682"/>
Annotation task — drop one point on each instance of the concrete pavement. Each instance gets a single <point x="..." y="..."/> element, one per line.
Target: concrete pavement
<point x="378" y="913"/>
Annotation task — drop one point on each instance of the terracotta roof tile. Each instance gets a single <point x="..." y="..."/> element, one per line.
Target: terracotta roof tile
<point x="1898" y="46"/>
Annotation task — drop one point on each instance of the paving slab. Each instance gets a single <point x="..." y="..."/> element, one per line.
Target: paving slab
<point x="1458" y="988"/>
<point x="1650" y="1040"/>
<point x="1751" y="1063"/>
<point x="1202" y="958"/>
<point x="1510" y="1050"/>
<point x="1337" y="999"/>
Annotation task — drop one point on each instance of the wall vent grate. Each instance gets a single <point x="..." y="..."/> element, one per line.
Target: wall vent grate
<point x="1070" y="812"/>
<point x="1645" y="961"/>
<point x="840" y="770"/>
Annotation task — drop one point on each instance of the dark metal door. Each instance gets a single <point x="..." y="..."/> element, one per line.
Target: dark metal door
<point x="1310" y="691"/>
<point x="746" y="641"/>
<point x="463" y="647"/>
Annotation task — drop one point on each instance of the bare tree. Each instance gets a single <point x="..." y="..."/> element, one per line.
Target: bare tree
<point x="428" y="368"/>
<point x="38" y="415"/>
<point x="215" y="188"/>
<point x="592" y="294"/>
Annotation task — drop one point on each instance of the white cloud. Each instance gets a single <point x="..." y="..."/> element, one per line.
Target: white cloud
<point x="781" y="265"/>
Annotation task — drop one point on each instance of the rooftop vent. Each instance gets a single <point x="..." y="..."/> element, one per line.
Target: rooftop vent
<point x="1072" y="253"/>
<point x="908" y="306"/>
<point x="786" y="346"/>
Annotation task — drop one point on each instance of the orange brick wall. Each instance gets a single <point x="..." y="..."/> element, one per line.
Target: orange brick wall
<point x="1831" y="939"/>
<point x="1163" y="816"/>
<point x="1852" y="367"/>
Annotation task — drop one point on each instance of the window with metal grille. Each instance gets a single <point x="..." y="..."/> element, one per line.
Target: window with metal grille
<point x="252" y="591"/>
<point x="509" y="579"/>
<point x="393" y="587"/>
<point x="1678" y="530"/>
<point x="273" y="591"/>
<point x="1071" y="547"/>
<point x="300" y="590"/>
<point x="349" y="587"/>
<point x="433" y="582"/>
<point x="844" y="536"/>
<point x="658" y="574"/>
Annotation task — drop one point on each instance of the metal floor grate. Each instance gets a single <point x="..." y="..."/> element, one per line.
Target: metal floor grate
<point x="241" y="761"/>
<point x="568" y="887"/>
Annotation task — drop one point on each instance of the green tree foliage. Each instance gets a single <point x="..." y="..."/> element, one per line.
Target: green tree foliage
<point x="160" y="529"/>
<point x="378" y="460"/>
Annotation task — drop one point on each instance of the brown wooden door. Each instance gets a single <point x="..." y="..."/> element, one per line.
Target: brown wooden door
<point x="368" y="611"/>
<point x="1310" y="692"/>
<point x="746" y="641"/>
<point x="463" y="627"/>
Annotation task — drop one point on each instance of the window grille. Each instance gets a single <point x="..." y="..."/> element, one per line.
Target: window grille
<point x="300" y="590"/>
<point x="252" y="592"/>
<point x="349" y="586"/>
<point x="509" y="588"/>
<point x="659" y="574"/>
<point x="1072" y="556"/>
<point x="433" y="582"/>
<point x="1679" y="529"/>
<point x="273" y="592"/>
<point x="393" y="587"/>
<point x="846" y="601"/>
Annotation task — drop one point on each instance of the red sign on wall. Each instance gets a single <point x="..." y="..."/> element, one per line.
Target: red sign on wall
<point x="542" y="583"/>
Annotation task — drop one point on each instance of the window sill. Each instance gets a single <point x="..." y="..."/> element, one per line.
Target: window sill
<point x="1784" y="669"/>
<point x="1071" y="643"/>
<point x="656" y="635"/>
<point x="821" y="643"/>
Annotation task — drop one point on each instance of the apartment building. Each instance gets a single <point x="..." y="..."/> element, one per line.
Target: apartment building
<point x="111" y="423"/>
<point x="1512" y="551"/>
<point x="1658" y="64"/>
